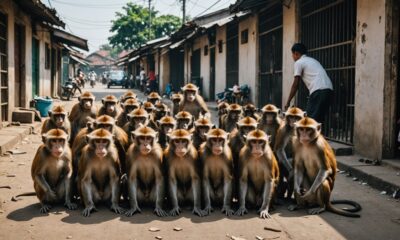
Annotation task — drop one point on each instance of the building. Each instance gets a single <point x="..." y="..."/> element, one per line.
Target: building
<point x="100" y="61"/>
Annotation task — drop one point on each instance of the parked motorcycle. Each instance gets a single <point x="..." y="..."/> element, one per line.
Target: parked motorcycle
<point x="237" y="94"/>
<point x="69" y="89"/>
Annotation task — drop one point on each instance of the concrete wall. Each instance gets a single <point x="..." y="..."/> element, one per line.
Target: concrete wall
<point x="44" y="74"/>
<point x="164" y="70"/>
<point x="220" y="61"/>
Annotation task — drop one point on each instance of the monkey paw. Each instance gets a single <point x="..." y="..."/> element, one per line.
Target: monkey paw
<point x="86" y="212"/>
<point x="227" y="210"/>
<point x="292" y="207"/>
<point x="132" y="211"/>
<point x="314" y="211"/>
<point x="265" y="214"/>
<point x="241" y="211"/>
<point x="175" y="211"/>
<point x="45" y="208"/>
<point x="159" y="212"/>
<point x="71" y="206"/>
<point x="199" y="212"/>
<point x="208" y="210"/>
<point x="117" y="209"/>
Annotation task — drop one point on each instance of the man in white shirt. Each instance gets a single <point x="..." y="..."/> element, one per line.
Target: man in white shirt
<point x="316" y="80"/>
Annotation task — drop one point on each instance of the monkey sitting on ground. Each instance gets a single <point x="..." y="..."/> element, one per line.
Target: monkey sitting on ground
<point x="183" y="172"/>
<point x="149" y="107"/>
<point x="127" y="95"/>
<point x="99" y="172"/>
<point x="166" y="125"/>
<point x="259" y="173"/>
<point x="315" y="171"/>
<point x="230" y="119"/>
<point x="192" y="102"/>
<point x="160" y="110"/>
<point x="270" y="122"/>
<point x="184" y="120"/>
<point x="154" y="98"/>
<point x="249" y="110"/>
<point x="138" y="117"/>
<point x="222" y="110"/>
<point x="128" y="106"/>
<point x="110" y="107"/>
<point x="217" y="164"/>
<point x="52" y="171"/>
<point x="176" y="98"/>
<point x="201" y="127"/>
<point x="145" y="174"/>
<point x="58" y="118"/>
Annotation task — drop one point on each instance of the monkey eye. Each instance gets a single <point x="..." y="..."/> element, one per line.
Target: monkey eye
<point x="256" y="141"/>
<point x="59" y="115"/>
<point x="140" y="119"/>
<point x="100" y="141"/>
<point x="145" y="138"/>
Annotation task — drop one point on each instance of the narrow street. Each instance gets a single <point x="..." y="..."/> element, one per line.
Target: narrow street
<point x="22" y="219"/>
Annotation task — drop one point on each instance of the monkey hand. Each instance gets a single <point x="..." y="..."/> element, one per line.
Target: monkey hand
<point x="52" y="195"/>
<point x="198" y="212"/>
<point x="307" y="196"/>
<point x="117" y="209"/>
<point x="264" y="214"/>
<point x="175" y="211"/>
<point x="132" y="211"/>
<point x="208" y="210"/>
<point x="45" y="208"/>
<point x="70" y="205"/>
<point x="159" y="212"/>
<point x="241" y="211"/>
<point x="227" y="210"/>
<point x="86" y="212"/>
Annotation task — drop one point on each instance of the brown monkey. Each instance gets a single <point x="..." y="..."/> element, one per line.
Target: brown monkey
<point x="80" y="113"/>
<point x="128" y="106"/>
<point x="110" y="107"/>
<point x="160" y="110"/>
<point x="201" y="127"/>
<point x="137" y="118"/>
<point x="176" y="98"/>
<point x="259" y="173"/>
<point x="270" y="122"/>
<point x="315" y="170"/>
<point x="184" y="120"/>
<point x="222" y="110"/>
<point x="217" y="171"/>
<point x="249" y="110"/>
<point x="99" y="172"/>
<point x="192" y="102"/>
<point x="166" y="125"/>
<point x="183" y="172"/>
<point x="149" y="107"/>
<point x="127" y="95"/>
<point x="153" y="97"/>
<point x="58" y="118"/>
<point x="230" y="119"/>
<point x="145" y="175"/>
<point x="52" y="170"/>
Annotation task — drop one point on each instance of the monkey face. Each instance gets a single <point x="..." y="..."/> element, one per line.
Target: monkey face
<point x="108" y="127"/>
<point x="130" y="108"/>
<point x="101" y="146"/>
<point x="87" y="103"/>
<point x="58" y="119"/>
<point x="222" y="111"/>
<point x="137" y="121"/>
<point x="306" y="134"/>
<point x="202" y="130"/>
<point x="270" y="117"/>
<point x="167" y="128"/>
<point x="248" y="112"/>
<point x="160" y="113"/>
<point x="181" y="147"/>
<point x="291" y="120"/>
<point x="183" y="123"/>
<point x="110" y="107"/>
<point x="190" y="95"/>
<point x="234" y="115"/>
<point x="244" y="130"/>
<point x="57" y="147"/>
<point x="176" y="101"/>
<point x="257" y="147"/>
<point x="217" y="145"/>
<point x="149" y="110"/>
<point x="145" y="144"/>
<point x="153" y="100"/>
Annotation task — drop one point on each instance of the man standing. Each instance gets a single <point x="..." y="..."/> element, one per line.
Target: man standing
<point x="142" y="79"/>
<point x="316" y="80"/>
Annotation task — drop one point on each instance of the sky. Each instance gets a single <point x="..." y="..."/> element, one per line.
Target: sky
<point x="91" y="19"/>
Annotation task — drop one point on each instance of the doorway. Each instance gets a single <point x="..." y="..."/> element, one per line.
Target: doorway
<point x="212" y="74"/>
<point x="19" y="66"/>
<point x="232" y="54"/>
<point x="35" y="67"/>
<point x="195" y="67"/>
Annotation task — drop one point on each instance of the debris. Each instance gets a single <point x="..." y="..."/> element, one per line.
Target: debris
<point x="16" y="151"/>
<point x="158" y="237"/>
<point x="237" y="238"/>
<point x="69" y="237"/>
<point x="259" y="238"/>
<point x="178" y="229"/>
<point x="368" y="161"/>
<point x="361" y="160"/>
<point x="15" y="124"/>
<point x="21" y="164"/>
<point x="342" y="172"/>
<point x="355" y="179"/>
<point x="348" y="174"/>
<point x="11" y="175"/>
<point x="154" y="229"/>
<point x="364" y="184"/>
<point x="376" y="162"/>
<point x="1" y="211"/>
<point x="383" y="193"/>
<point x="272" y="229"/>
<point x="8" y="187"/>
<point x="396" y="194"/>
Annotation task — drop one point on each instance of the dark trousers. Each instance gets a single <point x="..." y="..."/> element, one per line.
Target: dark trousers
<point x="318" y="104"/>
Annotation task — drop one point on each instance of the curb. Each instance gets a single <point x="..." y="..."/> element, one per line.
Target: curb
<point x="11" y="136"/>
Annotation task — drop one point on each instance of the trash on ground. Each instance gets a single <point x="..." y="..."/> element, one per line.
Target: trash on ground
<point x="355" y="179"/>
<point x="177" y="229"/>
<point x="272" y="229"/>
<point x="11" y="175"/>
<point x="16" y="151"/>
<point x="383" y="193"/>
<point x="154" y="229"/>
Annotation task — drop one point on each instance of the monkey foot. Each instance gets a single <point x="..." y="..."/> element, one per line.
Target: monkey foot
<point x="45" y="208"/>
<point x="159" y="212"/>
<point x="132" y="211"/>
<point x="86" y="212"/>
<point x="199" y="212"/>
<point x="265" y="214"/>
<point x="241" y="211"/>
<point x="117" y="209"/>
<point x="227" y="210"/>
<point x="175" y="211"/>
<point x="314" y="211"/>
<point x="208" y="210"/>
<point x="293" y="207"/>
<point x="71" y="206"/>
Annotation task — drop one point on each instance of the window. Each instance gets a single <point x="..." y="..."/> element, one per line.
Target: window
<point x="47" y="57"/>
<point x="244" y="36"/>
<point x="212" y="35"/>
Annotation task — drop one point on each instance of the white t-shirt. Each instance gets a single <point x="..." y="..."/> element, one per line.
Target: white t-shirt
<point x="142" y="75"/>
<point x="313" y="74"/>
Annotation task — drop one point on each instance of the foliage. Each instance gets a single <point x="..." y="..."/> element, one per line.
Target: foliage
<point x="114" y="51"/>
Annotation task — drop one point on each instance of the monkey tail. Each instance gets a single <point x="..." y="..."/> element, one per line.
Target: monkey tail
<point x="344" y="212"/>
<point x="27" y="194"/>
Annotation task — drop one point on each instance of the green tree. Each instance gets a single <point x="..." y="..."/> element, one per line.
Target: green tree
<point x="130" y="28"/>
<point x="114" y="51"/>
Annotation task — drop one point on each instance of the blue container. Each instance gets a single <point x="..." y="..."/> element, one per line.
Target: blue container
<point x="43" y="105"/>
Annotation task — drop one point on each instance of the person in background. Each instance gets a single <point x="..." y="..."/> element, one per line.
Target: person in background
<point x="152" y="81"/>
<point x="142" y="79"/>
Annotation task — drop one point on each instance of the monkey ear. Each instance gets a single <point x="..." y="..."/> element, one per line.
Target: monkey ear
<point x="279" y="111"/>
<point x="213" y="126"/>
<point x="156" y="137"/>
<point x="87" y="138"/>
<point x="79" y="98"/>
<point x="102" y="101"/>
<point x="305" y="114"/>
<point x="319" y="127"/>
<point x="133" y="136"/>
<point x="44" y="137"/>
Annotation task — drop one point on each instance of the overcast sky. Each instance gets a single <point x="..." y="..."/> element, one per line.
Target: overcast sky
<point x="90" y="19"/>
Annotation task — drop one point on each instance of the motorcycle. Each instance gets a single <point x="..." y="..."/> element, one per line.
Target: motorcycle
<point x="69" y="89"/>
<point x="237" y="94"/>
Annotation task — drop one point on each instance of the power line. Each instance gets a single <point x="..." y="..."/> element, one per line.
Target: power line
<point x="212" y="5"/>
<point x="89" y="5"/>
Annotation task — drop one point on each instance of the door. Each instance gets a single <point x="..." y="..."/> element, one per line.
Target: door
<point x="35" y="67"/>
<point x="3" y="68"/>
<point x="195" y="69"/>
<point x="53" y="65"/>
<point x="176" y="59"/>
<point x="270" y="54"/>
<point x="212" y="74"/>
<point x="19" y="61"/>
<point x="232" y="54"/>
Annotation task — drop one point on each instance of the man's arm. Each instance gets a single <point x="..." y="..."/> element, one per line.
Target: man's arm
<point x="293" y="90"/>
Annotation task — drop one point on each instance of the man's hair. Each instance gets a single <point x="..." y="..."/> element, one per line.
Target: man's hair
<point x="300" y="48"/>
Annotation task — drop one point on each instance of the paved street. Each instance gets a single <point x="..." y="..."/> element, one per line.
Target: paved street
<point x="22" y="220"/>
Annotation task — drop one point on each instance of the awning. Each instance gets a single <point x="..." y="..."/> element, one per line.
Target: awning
<point x="70" y="39"/>
<point x="134" y="58"/>
<point x="221" y="22"/>
<point x="40" y="11"/>
<point x="78" y="60"/>
<point x="120" y="64"/>
<point x="179" y="43"/>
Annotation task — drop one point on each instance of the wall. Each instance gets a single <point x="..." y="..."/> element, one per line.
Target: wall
<point x="220" y="61"/>
<point x="164" y="70"/>
<point x="44" y="76"/>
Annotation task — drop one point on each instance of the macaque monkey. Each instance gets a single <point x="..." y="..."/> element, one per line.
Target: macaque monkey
<point x="249" y="110"/>
<point x="222" y="110"/>
<point x="315" y="170"/>
<point x="183" y="172"/>
<point x="145" y="173"/>
<point x="201" y="127"/>
<point x="176" y="98"/>
<point x="80" y="113"/>
<point x="154" y="98"/>
<point x="165" y="125"/>
<point x="192" y="102"/>
<point x="259" y="173"/>
<point x="270" y="122"/>
<point x="230" y="119"/>
<point x="160" y="110"/>
<point x="58" y="118"/>
<point x="184" y="120"/>
<point x="128" y="106"/>
<point x="52" y="171"/>
<point x="217" y="171"/>
<point x="127" y="95"/>
<point x="149" y="107"/>
<point x="138" y="117"/>
<point x="110" y="107"/>
<point x="99" y="172"/>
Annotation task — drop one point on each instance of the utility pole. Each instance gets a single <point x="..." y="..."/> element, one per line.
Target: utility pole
<point x="149" y="19"/>
<point x="183" y="11"/>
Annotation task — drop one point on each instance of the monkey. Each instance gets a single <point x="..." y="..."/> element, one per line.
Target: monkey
<point x="110" y="107"/>
<point x="137" y="118"/>
<point x="201" y="127"/>
<point x="128" y="106"/>
<point x="184" y="120"/>
<point x="270" y="121"/>
<point x="127" y="95"/>
<point x="222" y="110"/>
<point x="165" y="125"/>
<point x="160" y="110"/>
<point x="230" y="119"/>
<point x="283" y="146"/>
<point x="217" y="165"/>
<point x="58" y="118"/>
<point x="80" y="111"/>
<point x="192" y="102"/>
<point x="52" y="170"/>
<point x="183" y="172"/>
<point x="176" y="98"/>
<point x="145" y="173"/>
<point x="249" y="110"/>
<point x="99" y="172"/>
<point x="149" y="107"/>
<point x="315" y="170"/>
<point x="154" y="98"/>
<point x="259" y="173"/>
